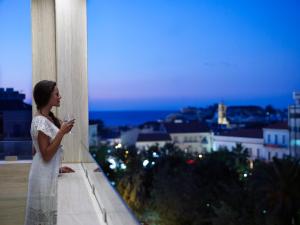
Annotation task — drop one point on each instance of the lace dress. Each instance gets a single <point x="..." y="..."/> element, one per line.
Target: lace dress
<point x="41" y="207"/>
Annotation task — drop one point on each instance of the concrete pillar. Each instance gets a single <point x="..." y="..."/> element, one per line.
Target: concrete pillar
<point x="59" y="53"/>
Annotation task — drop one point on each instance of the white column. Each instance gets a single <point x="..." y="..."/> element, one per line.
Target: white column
<point x="43" y="42"/>
<point x="59" y="43"/>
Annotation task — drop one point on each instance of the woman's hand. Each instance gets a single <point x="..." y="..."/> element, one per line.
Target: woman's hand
<point x="66" y="127"/>
<point x="66" y="169"/>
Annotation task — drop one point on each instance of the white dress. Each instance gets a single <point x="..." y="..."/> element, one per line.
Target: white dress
<point x="41" y="207"/>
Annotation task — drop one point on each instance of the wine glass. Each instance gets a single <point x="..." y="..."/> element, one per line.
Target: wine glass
<point x="69" y="117"/>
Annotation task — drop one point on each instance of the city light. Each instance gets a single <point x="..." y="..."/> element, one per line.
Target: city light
<point x="113" y="164"/>
<point x="251" y="165"/>
<point x="118" y="146"/>
<point x="155" y="155"/>
<point x="123" y="166"/>
<point x="146" y="162"/>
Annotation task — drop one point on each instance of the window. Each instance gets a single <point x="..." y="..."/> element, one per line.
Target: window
<point x="204" y="140"/>
<point x="258" y="153"/>
<point x="276" y="139"/>
<point x="269" y="155"/>
<point x="185" y="139"/>
<point x="283" y="139"/>
<point x="175" y="139"/>
<point x="249" y="151"/>
<point x="269" y="138"/>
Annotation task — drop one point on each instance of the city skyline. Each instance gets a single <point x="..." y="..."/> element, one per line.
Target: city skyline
<point x="171" y="54"/>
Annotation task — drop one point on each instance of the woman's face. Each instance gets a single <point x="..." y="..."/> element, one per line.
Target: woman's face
<point x="55" y="98"/>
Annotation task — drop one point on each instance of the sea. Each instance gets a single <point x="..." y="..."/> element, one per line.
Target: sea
<point x="128" y="118"/>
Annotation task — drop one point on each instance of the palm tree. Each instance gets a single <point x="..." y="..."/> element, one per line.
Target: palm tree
<point x="241" y="159"/>
<point x="276" y="189"/>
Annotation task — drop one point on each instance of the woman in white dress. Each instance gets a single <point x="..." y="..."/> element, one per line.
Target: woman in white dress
<point x="47" y="132"/>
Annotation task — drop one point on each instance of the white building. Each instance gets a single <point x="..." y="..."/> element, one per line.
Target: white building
<point x="93" y="134"/>
<point x="252" y="139"/>
<point x="146" y="140"/>
<point x="294" y="125"/>
<point x="271" y="141"/>
<point x="129" y="137"/>
<point x="276" y="140"/>
<point x="193" y="136"/>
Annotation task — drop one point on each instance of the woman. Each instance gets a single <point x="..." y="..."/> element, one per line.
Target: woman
<point x="47" y="132"/>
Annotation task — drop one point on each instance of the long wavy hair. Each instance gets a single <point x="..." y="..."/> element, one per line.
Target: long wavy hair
<point x="42" y="93"/>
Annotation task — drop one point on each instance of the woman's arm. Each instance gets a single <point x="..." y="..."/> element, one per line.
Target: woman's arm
<point x="60" y="121"/>
<point x="47" y="148"/>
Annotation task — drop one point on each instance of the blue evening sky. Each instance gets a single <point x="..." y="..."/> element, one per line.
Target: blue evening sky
<point x="167" y="54"/>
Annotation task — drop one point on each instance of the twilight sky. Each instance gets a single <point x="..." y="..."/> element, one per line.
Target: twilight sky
<point x="167" y="54"/>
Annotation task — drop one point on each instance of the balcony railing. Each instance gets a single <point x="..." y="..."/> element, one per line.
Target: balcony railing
<point x="275" y="145"/>
<point x="114" y="209"/>
<point x="87" y="192"/>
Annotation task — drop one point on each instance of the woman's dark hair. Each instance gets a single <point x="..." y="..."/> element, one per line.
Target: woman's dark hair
<point x="42" y="93"/>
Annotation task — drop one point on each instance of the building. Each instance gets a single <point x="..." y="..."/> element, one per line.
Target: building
<point x="111" y="137"/>
<point x="190" y="136"/>
<point x="130" y="137"/>
<point x="276" y="140"/>
<point x="251" y="139"/>
<point x="146" y="140"/>
<point x="239" y="116"/>
<point x="222" y="119"/>
<point x="15" y="122"/>
<point x="294" y="125"/>
<point x="93" y="135"/>
<point x="264" y="144"/>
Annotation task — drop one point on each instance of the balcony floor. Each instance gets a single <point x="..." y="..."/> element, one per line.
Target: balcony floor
<point x="76" y="203"/>
<point x="13" y="192"/>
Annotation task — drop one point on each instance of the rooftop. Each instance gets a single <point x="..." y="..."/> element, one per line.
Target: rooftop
<point x="280" y="126"/>
<point x="153" y="137"/>
<point x="246" y="133"/>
